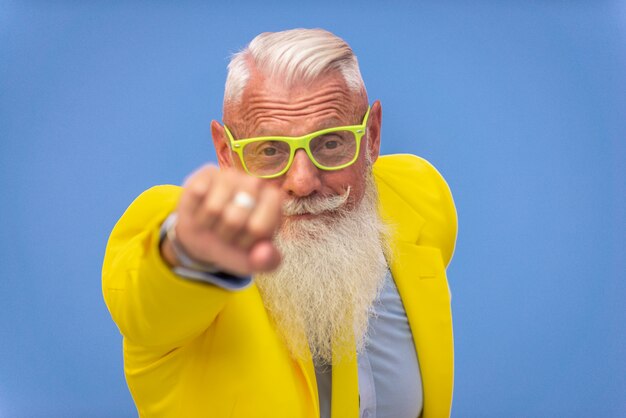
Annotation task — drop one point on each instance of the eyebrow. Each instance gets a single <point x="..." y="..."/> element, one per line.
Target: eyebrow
<point x="325" y="124"/>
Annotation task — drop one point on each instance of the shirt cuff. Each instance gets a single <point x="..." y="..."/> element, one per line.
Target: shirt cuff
<point x="218" y="278"/>
<point x="221" y="279"/>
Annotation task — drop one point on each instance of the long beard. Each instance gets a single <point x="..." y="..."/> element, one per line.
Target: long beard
<point x="333" y="269"/>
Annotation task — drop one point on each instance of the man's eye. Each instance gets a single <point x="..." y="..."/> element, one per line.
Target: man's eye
<point x="268" y="151"/>
<point x="331" y="144"/>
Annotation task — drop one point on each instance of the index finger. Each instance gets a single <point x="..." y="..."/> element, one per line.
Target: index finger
<point x="196" y="187"/>
<point x="266" y="218"/>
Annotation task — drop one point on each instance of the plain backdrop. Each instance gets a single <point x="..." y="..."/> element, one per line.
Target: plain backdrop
<point x="520" y="105"/>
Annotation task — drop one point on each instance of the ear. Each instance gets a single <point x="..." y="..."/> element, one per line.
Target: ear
<point x="374" y="123"/>
<point x="222" y="146"/>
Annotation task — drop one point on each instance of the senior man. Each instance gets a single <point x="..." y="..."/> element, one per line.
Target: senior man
<point x="303" y="278"/>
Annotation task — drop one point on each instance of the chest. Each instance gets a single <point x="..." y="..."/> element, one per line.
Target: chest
<point x="388" y="369"/>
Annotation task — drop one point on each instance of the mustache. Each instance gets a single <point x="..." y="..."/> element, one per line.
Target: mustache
<point x="315" y="205"/>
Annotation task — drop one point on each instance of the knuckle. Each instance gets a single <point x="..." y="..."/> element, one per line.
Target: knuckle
<point x="260" y="229"/>
<point x="253" y="183"/>
<point x="212" y="209"/>
<point x="196" y="190"/>
<point x="228" y="180"/>
<point x="273" y="194"/>
<point x="229" y="173"/>
<point x="198" y="174"/>
<point x="232" y="220"/>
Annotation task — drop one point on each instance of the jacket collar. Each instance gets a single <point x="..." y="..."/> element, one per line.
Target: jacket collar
<point x="393" y="207"/>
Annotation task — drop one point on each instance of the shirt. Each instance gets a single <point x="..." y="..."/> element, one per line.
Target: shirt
<point x="390" y="385"/>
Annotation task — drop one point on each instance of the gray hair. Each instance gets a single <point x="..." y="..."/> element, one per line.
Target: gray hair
<point x="297" y="55"/>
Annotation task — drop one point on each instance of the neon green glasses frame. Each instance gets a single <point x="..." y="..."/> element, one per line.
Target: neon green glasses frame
<point x="301" y="142"/>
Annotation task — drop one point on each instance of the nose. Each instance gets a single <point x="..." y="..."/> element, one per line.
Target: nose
<point x="303" y="177"/>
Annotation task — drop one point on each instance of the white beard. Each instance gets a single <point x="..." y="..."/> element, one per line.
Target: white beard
<point x="333" y="269"/>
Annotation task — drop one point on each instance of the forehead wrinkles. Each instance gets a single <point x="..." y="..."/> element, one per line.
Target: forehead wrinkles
<point x="325" y="117"/>
<point x="263" y="107"/>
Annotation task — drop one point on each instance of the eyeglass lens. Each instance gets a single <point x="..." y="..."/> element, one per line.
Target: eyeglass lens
<point x="270" y="157"/>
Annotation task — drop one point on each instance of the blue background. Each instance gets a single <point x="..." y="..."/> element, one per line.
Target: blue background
<point x="521" y="105"/>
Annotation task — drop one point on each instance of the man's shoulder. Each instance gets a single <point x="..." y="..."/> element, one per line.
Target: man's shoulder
<point x="151" y="206"/>
<point x="413" y="191"/>
<point x="403" y="162"/>
<point x="156" y="199"/>
<point x="158" y="196"/>
<point x="411" y="177"/>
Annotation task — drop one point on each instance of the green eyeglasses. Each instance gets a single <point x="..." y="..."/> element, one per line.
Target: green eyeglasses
<point x="271" y="156"/>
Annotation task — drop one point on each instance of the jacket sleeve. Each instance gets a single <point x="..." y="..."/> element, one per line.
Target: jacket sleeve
<point x="151" y="305"/>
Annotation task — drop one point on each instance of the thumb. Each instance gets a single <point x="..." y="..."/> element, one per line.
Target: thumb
<point x="264" y="257"/>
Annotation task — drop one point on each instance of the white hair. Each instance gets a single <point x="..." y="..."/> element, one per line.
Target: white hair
<point x="333" y="268"/>
<point x="297" y="55"/>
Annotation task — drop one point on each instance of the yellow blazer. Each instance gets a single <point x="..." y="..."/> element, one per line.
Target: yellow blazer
<point x="196" y="350"/>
